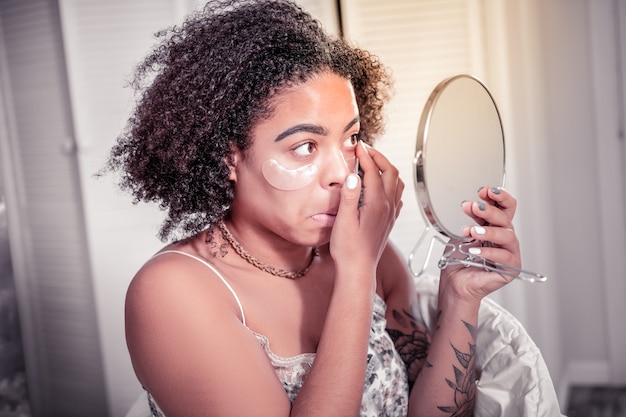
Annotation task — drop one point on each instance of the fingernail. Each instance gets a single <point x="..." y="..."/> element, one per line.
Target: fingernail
<point x="495" y="190"/>
<point x="479" y="230"/>
<point x="481" y="205"/>
<point x="463" y="202"/>
<point x="364" y="146"/>
<point x="352" y="181"/>
<point x="474" y="251"/>
<point x="480" y="189"/>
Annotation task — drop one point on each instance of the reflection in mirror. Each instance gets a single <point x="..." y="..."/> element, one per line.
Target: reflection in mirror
<point x="460" y="148"/>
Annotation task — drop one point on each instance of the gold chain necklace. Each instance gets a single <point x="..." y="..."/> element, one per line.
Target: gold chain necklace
<point x="263" y="266"/>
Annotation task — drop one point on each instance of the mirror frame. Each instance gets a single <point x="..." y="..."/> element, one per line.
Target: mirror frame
<point x="422" y="192"/>
<point x="460" y="248"/>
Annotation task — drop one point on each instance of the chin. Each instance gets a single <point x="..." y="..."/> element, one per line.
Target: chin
<point x="320" y="237"/>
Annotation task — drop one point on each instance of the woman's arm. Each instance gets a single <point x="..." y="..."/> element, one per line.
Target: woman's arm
<point x="446" y="384"/>
<point x="442" y="365"/>
<point x="334" y="386"/>
<point x="189" y="347"/>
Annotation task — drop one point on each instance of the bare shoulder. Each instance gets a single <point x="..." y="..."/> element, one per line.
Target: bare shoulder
<point x="188" y="345"/>
<point x="174" y="279"/>
<point x="170" y="295"/>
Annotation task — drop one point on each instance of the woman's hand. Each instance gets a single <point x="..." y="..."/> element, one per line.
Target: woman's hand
<point x="495" y="240"/>
<point x="360" y="233"/>
<point x="357" y="241"/>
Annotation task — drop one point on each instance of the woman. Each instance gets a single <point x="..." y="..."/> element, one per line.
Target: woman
<point x="280" y="293"/>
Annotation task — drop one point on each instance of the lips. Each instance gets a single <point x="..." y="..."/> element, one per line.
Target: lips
<point x="324" y="219"/>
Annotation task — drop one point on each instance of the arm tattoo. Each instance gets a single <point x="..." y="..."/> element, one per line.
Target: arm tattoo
<point x="464" y="384"/>
<point x="412" y="342"/>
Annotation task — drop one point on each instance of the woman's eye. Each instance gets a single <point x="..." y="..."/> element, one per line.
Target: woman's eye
<point x="352" y="141"/>
<point x="305" y="149"/>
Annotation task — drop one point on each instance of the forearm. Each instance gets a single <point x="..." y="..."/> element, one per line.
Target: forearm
<point x="334" y="386"/>
<point x="447" y="382"/>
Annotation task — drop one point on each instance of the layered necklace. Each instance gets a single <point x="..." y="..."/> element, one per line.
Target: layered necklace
<point x="261" y="265"/>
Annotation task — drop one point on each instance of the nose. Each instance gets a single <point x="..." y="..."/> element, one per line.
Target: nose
<point x="336" y="167"/>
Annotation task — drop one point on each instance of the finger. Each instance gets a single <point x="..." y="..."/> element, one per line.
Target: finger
<point x="500" y="255"/>
<point x="496" y="244"/>
<point x="348" y="220"/>
<point x="500" y="197"/>
<point x="366" y="163"/>
<point x="466" y="206"/>
<point x="387" y="170"/>
<point x="348" y="209"/>
<point x="370" y="154"/>
<point x="379" y="171"/>
<point x="485" y="214"/>
<point x="398" y="208"/>
<point x="399" y="191"/>
<point x="497" y="235"/>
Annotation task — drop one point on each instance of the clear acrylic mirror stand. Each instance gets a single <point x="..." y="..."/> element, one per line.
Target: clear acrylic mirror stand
<point x="466" y="259"/>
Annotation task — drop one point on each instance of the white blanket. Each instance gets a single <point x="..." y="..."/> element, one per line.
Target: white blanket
<point x="514" y="380"/>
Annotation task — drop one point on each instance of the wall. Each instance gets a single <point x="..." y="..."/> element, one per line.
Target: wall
<point x="584" y="107"/>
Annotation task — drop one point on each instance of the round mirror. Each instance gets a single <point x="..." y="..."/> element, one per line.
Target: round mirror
<point x="460" y="148"/>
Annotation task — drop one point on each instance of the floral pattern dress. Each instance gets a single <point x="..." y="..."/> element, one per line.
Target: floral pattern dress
<point x="385" y="392"/>
<point x="386" y="389"/>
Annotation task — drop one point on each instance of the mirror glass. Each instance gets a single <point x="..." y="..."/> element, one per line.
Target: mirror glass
<point x="460" y="129"/>
<point x="460" y="148"/>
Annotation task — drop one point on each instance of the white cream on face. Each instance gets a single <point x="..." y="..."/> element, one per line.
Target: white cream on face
<point x="288" y="179"/>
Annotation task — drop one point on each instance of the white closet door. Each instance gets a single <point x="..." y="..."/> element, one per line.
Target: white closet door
<point x="104" y="41"/>
<point x="52" y="273"/>
<point x="326" y="11"/>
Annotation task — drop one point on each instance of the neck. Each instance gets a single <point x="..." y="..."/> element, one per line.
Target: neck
<point x="263" y="247"/>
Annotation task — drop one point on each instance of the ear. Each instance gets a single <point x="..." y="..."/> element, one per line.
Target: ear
<point x="232" y="161"/>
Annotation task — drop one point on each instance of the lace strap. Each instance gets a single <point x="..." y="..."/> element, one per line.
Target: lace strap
<point x="216" y="272"/>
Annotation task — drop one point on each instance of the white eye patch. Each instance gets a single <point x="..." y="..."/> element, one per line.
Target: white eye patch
<point x="288" y="179"/>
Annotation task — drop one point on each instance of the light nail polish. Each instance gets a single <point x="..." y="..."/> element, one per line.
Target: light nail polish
<point x="495" y="190"/>
<point x="474" y="251"/>
<point x="352" y="181"/>
<point x="479" y="230"/>
<point x="481" y="206"/>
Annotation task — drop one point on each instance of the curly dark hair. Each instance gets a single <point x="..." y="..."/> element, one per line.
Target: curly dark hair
<point x="205" y="85"/>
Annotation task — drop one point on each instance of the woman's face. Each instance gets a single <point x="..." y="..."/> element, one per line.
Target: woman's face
<point x="290" y="180"/>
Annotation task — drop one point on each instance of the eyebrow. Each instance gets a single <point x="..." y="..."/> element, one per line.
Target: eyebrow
<point x="315" y="129"/>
